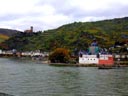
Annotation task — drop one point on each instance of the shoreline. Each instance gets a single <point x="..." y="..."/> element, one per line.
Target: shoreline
<point x="84" y="65"/>
<point x="72" y="65"/>
<point x="116" y="63"/>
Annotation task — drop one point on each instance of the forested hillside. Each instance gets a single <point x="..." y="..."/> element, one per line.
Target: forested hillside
<point x="77" y="35"/>
<point x="8" y="32"/>
<point x="5" y="34"/>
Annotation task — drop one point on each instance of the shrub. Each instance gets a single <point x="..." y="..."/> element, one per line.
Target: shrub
<point x="60" y="55"/>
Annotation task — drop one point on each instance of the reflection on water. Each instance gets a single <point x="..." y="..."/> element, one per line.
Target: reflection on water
<point x="27" y="78"/>
<point x="4" y="94"/>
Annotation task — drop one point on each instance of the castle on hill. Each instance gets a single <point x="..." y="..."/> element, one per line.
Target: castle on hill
<point x="29" y="30"/>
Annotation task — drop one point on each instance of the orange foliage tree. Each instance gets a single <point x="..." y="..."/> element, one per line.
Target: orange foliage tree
<point x="60" y="55"/>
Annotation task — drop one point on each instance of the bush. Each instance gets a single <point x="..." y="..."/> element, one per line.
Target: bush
<point x="60" y="55"/>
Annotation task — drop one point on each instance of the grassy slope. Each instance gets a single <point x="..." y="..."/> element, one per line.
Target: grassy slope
<point x="3" y="37"/>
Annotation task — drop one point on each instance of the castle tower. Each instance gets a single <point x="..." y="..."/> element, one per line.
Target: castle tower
<point x="94" y="49"/>
<point x="31" y="28"/>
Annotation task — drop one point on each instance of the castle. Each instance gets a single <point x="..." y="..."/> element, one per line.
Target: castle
<point x="30" y="30"/>
<point x="94" y="56"/>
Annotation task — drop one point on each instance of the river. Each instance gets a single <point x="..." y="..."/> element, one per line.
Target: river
<point x="27" y="78"/>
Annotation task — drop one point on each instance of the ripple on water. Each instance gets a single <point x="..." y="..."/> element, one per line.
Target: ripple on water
<point x="26" y="78"/>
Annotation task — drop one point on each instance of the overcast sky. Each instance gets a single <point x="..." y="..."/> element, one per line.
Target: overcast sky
<point x="49" y="14"/>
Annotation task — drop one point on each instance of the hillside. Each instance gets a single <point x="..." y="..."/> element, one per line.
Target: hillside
<point x="77" y="35"/>
<point x="3" y="37"/>
<point x="8" y="32"/>
<point x="5" y="34"/>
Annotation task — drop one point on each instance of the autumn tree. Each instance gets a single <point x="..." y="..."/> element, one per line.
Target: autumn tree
<point x="60" y="55"/>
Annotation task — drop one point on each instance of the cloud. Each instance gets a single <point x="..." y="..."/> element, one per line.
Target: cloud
<point x="49" y="14"/>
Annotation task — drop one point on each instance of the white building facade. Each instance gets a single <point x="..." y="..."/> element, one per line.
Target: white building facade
<point x="94" y="59"/>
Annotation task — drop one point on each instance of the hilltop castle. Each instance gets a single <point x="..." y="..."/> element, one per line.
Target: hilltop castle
<point x="30" y="30"/>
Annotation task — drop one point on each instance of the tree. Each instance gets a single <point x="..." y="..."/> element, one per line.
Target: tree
<point x="60" y="55"/>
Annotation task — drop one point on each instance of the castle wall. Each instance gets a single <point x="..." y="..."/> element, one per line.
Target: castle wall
<point x="88" y="59"/>
<point x="93" y="59"/>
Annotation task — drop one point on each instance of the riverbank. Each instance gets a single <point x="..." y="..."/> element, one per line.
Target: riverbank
<point x="45" y="61"/>
<point x="73" y="65"/>
<point x="122" y="64"/>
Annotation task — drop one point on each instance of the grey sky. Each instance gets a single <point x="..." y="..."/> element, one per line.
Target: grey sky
<point x="49" y="14"/>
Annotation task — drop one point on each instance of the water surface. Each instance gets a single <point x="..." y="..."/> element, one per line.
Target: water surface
<point x="27" y="78"/>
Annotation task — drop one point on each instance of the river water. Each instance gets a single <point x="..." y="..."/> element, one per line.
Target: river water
<point x="27" y="78"/>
